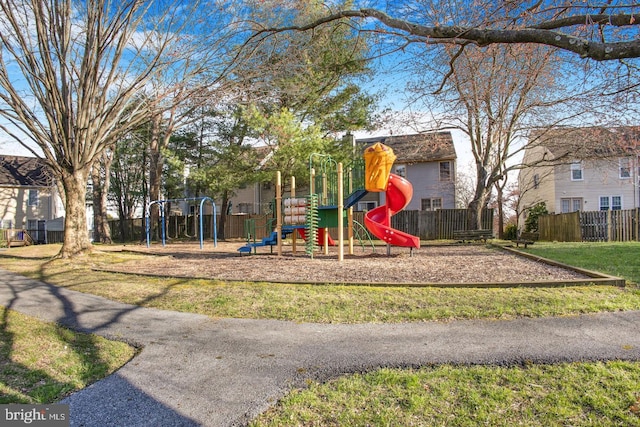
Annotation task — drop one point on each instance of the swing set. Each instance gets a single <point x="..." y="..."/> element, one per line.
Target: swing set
<point x="162" y="207"/>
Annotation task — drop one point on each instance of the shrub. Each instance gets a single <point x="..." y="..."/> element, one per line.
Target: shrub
<point x="531" y="223"/>
<point x="510" y="232"/>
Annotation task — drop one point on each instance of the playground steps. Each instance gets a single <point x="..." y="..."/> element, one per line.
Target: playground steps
<point x="271" y="240"/>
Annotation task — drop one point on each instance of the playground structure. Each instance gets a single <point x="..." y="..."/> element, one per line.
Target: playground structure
<point x="162" y="207"/>
<point x="325" y="207"/>
<point x="378" y="161"/>
<point x="311" y="216"/>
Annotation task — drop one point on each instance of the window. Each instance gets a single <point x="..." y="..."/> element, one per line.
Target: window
<point x="576" y="205"/>
<point x="614" y="203"/>
<point x="401" y="170"/>
<point x="571" y="204"/>
<point x="431" y="204"/>
<point x="576" y="171"/>
<point x="625" y="168"/>
<point x="366" y="206"/>
<point x="536" y="181"/>
<point x="246" y="208"/>
<point x="445" y="171"/>
<point x="604" y="203"/>
<point x="33" y="198"/>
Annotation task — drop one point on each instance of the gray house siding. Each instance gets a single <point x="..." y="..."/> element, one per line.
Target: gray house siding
<point x="425" y="178"/>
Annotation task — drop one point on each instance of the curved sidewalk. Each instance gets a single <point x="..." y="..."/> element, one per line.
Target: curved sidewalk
<point x="194" y="370"/>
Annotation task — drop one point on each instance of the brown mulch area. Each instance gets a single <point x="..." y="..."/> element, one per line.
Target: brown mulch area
<point x="431" y="264"/>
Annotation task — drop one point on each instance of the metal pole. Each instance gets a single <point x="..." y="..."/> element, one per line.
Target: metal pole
<point x="164" y="237"/>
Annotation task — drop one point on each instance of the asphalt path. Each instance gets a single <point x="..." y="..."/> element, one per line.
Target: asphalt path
<point x="195" y="370"/>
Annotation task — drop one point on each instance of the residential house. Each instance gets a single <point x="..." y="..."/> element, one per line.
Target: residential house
<point x="28" y="196"/>
<point x="427" y="160"/>
<point x="581" y="169"/>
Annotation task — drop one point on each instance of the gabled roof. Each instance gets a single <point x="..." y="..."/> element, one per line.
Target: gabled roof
<point x="588" y="142"/>
<point x="415" y="148"/>
<point x="18" y="171"/>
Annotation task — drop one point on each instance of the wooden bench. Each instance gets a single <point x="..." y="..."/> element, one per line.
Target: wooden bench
<point x="472" y="235"/>
<point x="526" y="238"/>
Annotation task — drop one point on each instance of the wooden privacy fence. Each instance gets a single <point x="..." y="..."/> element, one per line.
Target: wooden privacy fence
<point x="593" y="226"/>
<point x="439" y="224"/>
<point x="428" y="225"/>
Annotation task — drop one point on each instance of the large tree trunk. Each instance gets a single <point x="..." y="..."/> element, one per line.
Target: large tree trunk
<point x="474" y="215"/>
<point x="76" y="234"/>
<point x="155" y="173"/>
<point x="223" y="215"/>
<point x="101" y="229"/>
<point x="101" y="178"/>
<point x="479" y="201"/>
<point x="500" y="202"/>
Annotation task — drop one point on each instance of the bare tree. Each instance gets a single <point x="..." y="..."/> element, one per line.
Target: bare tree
<point x="71" y="75"/>
<point x="205" y="76"/>
<point x="494" y="95"/>
<point x="600" y="31"/>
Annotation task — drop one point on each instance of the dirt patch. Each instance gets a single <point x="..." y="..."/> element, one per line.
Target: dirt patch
<point x="431" y="264"/>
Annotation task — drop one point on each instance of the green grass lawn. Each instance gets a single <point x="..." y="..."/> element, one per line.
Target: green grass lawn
<point x="313" y="303"/>
<point x="576" y="394"/>
<point x="621" y="259"/>
<point x="41" y="362"/>
<point x="579" y="394"/>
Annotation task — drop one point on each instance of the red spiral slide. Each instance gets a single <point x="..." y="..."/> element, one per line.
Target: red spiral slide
<point x="378" y="220"/>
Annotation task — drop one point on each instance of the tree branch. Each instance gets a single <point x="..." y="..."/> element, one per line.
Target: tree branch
<point x="542" y="33"/>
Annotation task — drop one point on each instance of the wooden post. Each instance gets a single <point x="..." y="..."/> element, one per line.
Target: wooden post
<point x="325" y="240"/>
<point x="279" y="211"/>
<point x="293" y="196"/>
<point x="312" y="179"/>
<point x="340" y="212"/>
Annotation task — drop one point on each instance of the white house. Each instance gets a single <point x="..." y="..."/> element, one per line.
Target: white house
<point x="29" y="198"/>
<point x="581" y="169"/>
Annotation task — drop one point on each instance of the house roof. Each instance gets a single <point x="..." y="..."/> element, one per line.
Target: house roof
<point x="588" y="142"/>
<point x="18" y="171"/>
<point x="415" y="148"/>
